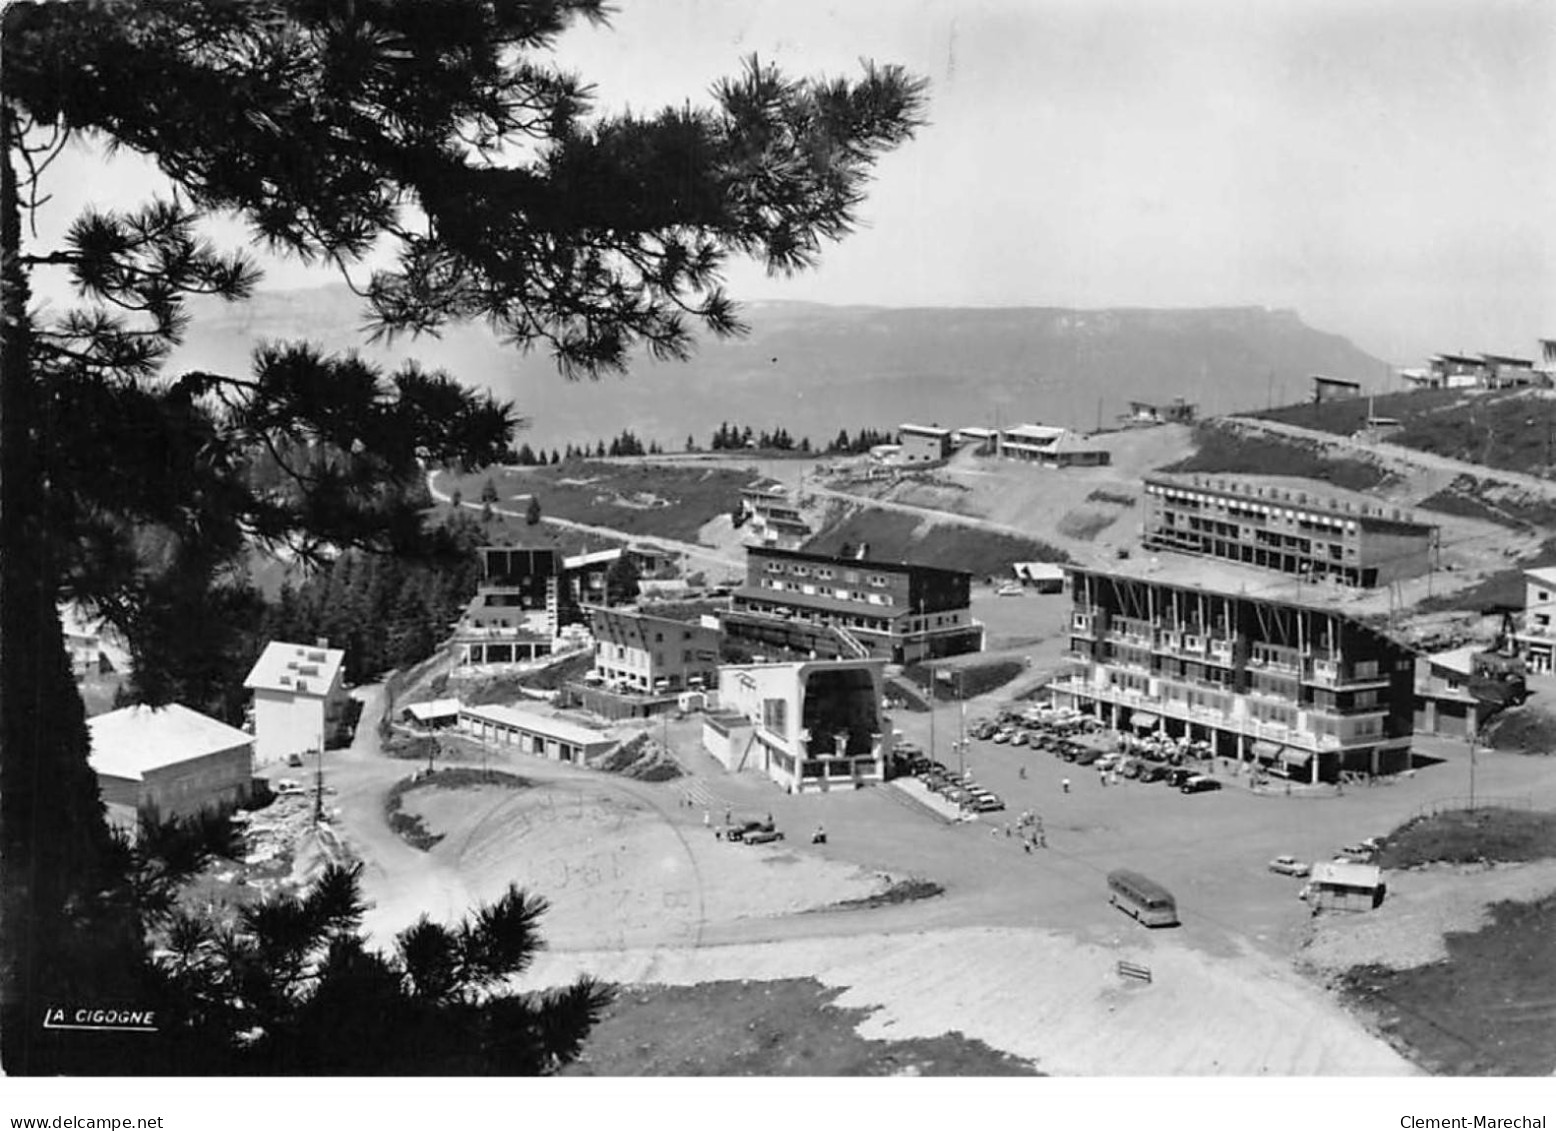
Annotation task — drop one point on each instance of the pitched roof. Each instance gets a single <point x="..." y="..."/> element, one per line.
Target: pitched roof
<point x="925" y="430"/>
<point x="133" y="741"/>
<point x="1043" y="433"/>
<point x="296" y="668"/>
<point x="1039" y="571"/>
<point x="1545" y="574"/>
<point x="433" y="709"/>
<point x="1347" y="874"/>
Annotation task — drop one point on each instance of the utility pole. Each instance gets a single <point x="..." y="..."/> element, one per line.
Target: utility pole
<point x="1470" y="734"/>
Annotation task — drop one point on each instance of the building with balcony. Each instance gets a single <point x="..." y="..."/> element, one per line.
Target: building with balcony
<point x="772" y="519"/>
<point x="1143" y="414"/>
<point x="1300" y="689"/>
<point x="923" y="443"/>
<point x="853" y="607"/>
<point x="1535" y="639"/>
<point x="811" y="727"/>
<point x="653" y="655"/>
<point x="524" y="600"/>
<point x="1051" y="446"/>
<point x="1340" y="535"/>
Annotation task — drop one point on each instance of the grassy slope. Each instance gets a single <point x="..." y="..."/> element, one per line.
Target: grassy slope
<point x="895" y="536"/>
<point x="1512" y="429"/>
<point x="1490" y="1009"/>
<point x="786" y="1028"/>
<point x="638" y="499"/>
<point x="1223" y="449"/>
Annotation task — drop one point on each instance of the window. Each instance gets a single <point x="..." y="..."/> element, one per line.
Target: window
<point x="824" y="574"/>
<point x="851" y="576"/>
<point x="775" y="715"/>
<point x="878" y="580"/>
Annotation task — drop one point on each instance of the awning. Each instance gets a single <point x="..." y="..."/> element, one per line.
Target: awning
<point x="1266" y="751"/>
<point x="1295" y="757"/>
<point x="1143" y="719"/>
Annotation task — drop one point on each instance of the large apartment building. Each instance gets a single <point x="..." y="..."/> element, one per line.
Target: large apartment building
<point x="1304" y="690"/>
<point x="525" y="597"/>
<point x="1306" y="533"/>
<point x="853" y="607"/>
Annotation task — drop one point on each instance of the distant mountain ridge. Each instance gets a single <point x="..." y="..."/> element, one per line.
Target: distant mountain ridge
<point x="814" y="368"/>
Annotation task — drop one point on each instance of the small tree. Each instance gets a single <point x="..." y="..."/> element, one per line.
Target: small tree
<point x="532" y="512"/>
<point x="489" y="493"/>
<point x="621" y="581"/>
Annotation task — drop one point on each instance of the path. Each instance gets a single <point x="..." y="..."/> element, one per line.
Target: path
<point x="1398" y="455"/>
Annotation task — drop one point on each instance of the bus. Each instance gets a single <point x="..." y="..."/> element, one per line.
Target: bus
<point x="1146" y="900"/>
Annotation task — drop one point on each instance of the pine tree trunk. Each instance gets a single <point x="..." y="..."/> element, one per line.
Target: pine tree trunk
<point x="54" y="841"/>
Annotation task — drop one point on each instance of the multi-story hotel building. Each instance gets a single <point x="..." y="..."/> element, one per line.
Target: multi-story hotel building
<point x="1332" y="534"/>
<point x="1536" y="635"/>
<point x="853" y="607"/>
<point x="1305" y="690"/>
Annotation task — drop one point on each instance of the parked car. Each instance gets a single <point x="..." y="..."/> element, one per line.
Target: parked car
<point x="988" y="804"/>
<point x="1356" y="853"/>
<point x="1288" y="866"/>
<point x="1199" y="785"/>
<point x="762" y="836"/>
<point x="1177" y="778"/>
<point x="294" y="760"/>
<point x="744" y="830"/>
<point x="1003" y="736"/>
<point x="1087" y="757"/>
<point x="1018" y="738"/>
<point x="1149" y="773"/>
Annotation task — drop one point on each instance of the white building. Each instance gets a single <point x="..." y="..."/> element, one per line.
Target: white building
<point x="1536" y="638"/>
<point x="816" y="725"/>
<point x="297" y="697"/>
<point x="529" y="732"/>
<point x="171" y="758"/>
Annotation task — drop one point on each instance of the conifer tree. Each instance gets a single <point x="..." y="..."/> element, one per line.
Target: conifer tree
<point x="442" y="129"/>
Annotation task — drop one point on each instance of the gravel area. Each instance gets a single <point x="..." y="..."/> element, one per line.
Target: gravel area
<point x="1422" y="906"/>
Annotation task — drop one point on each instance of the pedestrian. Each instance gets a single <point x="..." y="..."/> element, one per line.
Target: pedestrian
<point x="729" y="817"/>
<point x="707" y="819"/>
<point x="1042" y="839"/>
<point x="1026" y="846"/>
<point x="1102" y="777"/>
<point x="1007" y="831"/>
<point x="1023" y="773"/>
<point x="1065" y="785"/>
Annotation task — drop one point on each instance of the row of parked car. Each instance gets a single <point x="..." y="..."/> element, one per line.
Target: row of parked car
<point x="1364" y="851"/>
<point x="961" y="789"/>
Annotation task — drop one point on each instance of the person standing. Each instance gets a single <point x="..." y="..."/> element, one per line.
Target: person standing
<point x="1065" y="785"/>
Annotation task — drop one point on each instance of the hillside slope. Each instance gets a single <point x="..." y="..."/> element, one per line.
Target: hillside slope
<point x="814" y="368"/>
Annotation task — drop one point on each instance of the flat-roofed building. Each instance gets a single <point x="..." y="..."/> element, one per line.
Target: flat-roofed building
<point x="1334" y="388"/>
<point x="653" y="655"/>
<point x="1297" y="530"/>
<point x="923" y="443"/>
<point x="536" y="734"/>
<point x="814" y="726"/>
<point x="772" y="518"/>
<point x="170" y="759"/>
<point x="1535" y="638"/>
<point x="1299" y="688"/>
<point x="299" y="700"/>
<point x="524" y="600"/>
<point x="981" y="440"/>
<point x="1051" y="446"/>
<point x="852" y="607"/>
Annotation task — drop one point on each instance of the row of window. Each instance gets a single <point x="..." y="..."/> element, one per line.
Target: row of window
<point x="824" y="591"/>
<point x="826" y="573"/>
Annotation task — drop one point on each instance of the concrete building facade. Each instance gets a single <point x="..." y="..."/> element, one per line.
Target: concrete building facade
<point x="298" y="699"/>
<point x="525" y="599"/>
<point x="923" y="443"/>
<point x="813" y="727"/>
<point x="1303" y="690"/>
<point x="170" y="759"/>
<point x="1304" y="533"/>
<point x="849" y="607"/>
<point x="1535" y="639"/>
<point x="653" y="655"/>
<point x="530" y="732"/>
<point x="1051" y="446"/>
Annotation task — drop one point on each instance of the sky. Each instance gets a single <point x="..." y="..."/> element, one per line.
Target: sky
<point x="1383" y="167"/>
